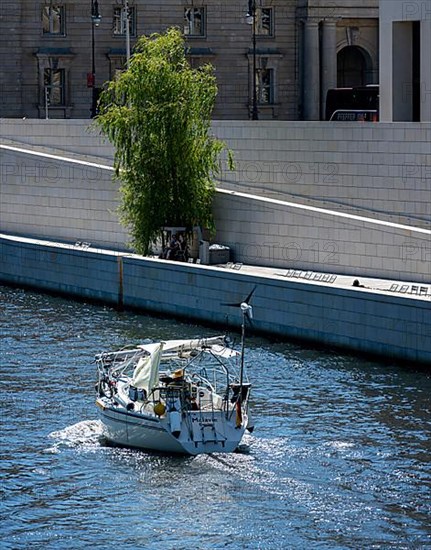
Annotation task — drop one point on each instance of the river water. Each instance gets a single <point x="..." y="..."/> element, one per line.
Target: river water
<point x="340" y="457"/>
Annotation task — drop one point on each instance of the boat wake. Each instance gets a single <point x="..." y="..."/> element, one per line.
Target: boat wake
<point x="87" y="434"/>
<point x="260" y="471"/>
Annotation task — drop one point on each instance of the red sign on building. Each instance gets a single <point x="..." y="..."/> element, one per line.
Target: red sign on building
<point x="90" y="80"/>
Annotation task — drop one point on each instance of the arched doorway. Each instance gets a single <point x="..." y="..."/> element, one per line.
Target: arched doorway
<point x="354" y="67"/>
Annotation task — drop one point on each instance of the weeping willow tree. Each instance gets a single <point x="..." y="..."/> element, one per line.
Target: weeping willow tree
<point x="157" y="114"/>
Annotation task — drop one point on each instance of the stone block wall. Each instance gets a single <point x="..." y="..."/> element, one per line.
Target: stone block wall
<point x="397" y="327"/>
<point x="379" y="170"/>
<point x="60" y="268"/>
<point x="276" y="233"/>
<point x="376" y="171"/>
<point x="53" y="198"/>
<point x="72" y="136"/>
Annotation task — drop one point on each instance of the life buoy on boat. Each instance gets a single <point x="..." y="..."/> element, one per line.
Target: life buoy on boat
<point x="175" y="423"/>
<point x="159" y="409"/>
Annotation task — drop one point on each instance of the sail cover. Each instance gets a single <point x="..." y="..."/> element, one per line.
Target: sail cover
<point x="187" y="345"/>
<point x="146" y="373"/>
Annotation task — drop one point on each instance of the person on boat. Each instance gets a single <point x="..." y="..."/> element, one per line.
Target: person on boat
<point x="177" y="378"/>
<point x="194" y="405"/>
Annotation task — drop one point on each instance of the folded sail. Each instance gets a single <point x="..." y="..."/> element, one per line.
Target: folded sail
<point x="146" y="373"/>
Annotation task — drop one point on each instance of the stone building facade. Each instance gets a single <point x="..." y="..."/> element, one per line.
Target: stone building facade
<point x="303" y="48"/>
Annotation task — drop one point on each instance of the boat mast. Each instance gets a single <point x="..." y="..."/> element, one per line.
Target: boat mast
<point x="241" y="371"/>
<point x="246" y="311"/>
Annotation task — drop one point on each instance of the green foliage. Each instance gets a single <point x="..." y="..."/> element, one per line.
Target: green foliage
<point x="157" y="114"/>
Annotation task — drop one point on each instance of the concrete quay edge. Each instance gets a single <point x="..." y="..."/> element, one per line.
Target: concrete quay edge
<point x="369" y="319"/>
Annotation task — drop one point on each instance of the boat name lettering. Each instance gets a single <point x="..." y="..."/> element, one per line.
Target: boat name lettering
<point x="203" y="421"/>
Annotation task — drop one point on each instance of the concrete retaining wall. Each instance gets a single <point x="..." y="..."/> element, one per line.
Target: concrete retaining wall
<point x="74" y="136"/>
<point x="358" y="319"/>
<point x="380" y="169"/>
<point x="277" y="233"/>
<point x="57" y="198"/>
<point x="50" y="197"/>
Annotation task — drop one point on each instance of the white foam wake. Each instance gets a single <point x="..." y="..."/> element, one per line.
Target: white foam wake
<point x="85" y="434"/>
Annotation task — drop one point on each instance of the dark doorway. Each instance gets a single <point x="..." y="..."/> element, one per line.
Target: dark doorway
<point x="416" y="71"/>
<point x="353" y="67"/>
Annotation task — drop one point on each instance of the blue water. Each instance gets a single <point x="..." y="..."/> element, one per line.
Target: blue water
<point x="340" y="457"/>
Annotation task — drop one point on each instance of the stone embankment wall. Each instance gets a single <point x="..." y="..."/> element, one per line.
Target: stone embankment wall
<point x="381" y="170"/>
<point x="47" y="196"/>
<point x="393" y="326"/>
<point x="277" y="233"/>
<point x="68" y="199"/>
<point x="377" y="170"/>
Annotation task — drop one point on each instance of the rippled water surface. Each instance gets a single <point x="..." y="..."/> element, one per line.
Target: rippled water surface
<point x="340" y="457"/>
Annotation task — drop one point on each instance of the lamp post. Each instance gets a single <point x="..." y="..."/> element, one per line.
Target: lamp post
<point x="251" y="20"/>
<point x="95" y="22"/>
<point x="127" y="29"/>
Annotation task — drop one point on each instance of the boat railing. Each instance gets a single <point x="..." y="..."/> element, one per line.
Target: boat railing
<point x="218" y="375"/>
<point x="192" y="394"/>
<point x="207" y="383"/>
<point x="117" y="363"/>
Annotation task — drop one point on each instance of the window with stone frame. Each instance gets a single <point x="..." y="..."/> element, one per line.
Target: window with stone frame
<point x="265" y="86"/>
<point x="264" y="22"/>
<point x="194" y="22"/>
<point x="53" y="77"/>
<point x="119" y="21"/>
<point x="54" y="81"/>
<point x="267" y="66"/>
<point x="198" y="61"/>
<point x="53" y="20"/>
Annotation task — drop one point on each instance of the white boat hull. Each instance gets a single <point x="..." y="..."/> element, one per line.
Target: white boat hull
<point x="199" y="432"/>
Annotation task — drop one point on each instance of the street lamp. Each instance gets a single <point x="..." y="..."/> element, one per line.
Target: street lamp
<point x="95" y="22"/>
<point x="251" y="20"/>
<point x="127" y="29"/>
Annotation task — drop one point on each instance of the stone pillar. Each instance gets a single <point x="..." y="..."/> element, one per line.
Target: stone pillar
<point x="329" y="61"/>
<point x="311" y="70"/>
<point x="386" y="80"/>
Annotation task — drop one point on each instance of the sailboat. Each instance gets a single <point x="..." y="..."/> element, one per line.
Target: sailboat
<point x="187" y="396"/>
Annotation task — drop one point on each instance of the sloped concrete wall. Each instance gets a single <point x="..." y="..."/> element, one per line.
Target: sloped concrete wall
<point x="378" y="169"/>
<point x="66" y="200"/>
<point x="276" y="233"/>
<point x="74" y="136"/>
<point x="51" y="197"/>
